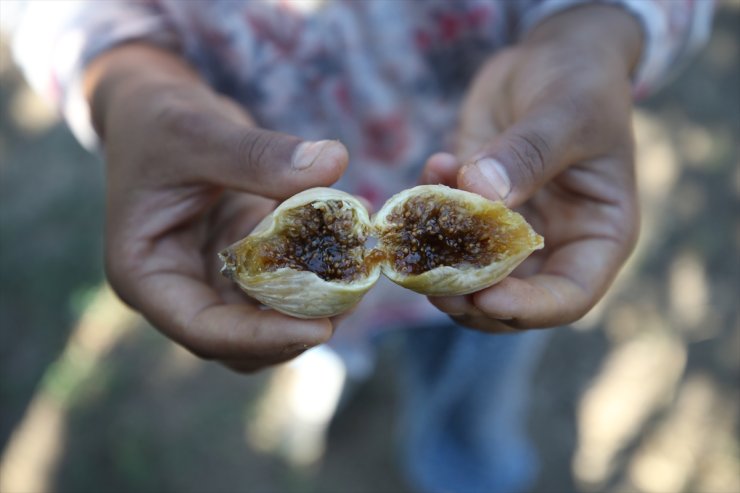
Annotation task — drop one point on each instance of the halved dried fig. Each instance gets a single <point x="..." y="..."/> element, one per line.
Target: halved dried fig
<point x="443" y="241"/>
<point x="308" y="258"/>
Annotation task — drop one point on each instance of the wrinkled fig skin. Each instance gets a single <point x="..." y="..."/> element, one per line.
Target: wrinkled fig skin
<point x="432" y="239"/>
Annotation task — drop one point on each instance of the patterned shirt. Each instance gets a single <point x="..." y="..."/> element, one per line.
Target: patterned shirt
<point x="385" y="77"/>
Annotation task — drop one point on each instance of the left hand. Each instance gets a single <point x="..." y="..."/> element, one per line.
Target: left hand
<point x="546" y="128"/>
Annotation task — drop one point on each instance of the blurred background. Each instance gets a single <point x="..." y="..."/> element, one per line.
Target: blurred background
<point x="642" y="395"/>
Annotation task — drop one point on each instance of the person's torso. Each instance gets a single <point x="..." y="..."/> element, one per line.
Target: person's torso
<point x="384" y="77"/>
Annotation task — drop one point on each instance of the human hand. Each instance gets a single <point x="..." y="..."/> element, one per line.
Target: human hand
<point x="188" y="173"/>
<point x="546" y="127"/>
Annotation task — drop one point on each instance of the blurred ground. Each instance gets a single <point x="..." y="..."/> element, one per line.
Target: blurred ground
<point x="641" y="396"/>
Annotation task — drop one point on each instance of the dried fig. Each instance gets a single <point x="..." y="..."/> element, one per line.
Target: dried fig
<point x="308" y="258"/>
<point x="443" y="241"/>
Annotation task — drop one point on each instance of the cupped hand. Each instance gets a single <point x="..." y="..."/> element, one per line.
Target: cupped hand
<point x="546" y="128"/>
<point x="188" y="173"/>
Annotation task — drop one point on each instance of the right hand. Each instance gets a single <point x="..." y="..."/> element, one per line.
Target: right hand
<point x="545" y="127"/>
<point x="189" y="173"/>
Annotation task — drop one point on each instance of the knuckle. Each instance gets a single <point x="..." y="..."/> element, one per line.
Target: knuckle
<point x="253" y="146"/>
<point x="585" y="120"/>
<point x="180" y="121"/>
<point x="598" y="123"/>
<point x="531" y="151"/>
<point x="190" y="129"/>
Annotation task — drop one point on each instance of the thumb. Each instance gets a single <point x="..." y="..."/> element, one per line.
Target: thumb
<point x="516" y="163"/>
<point x="266" y="163"/>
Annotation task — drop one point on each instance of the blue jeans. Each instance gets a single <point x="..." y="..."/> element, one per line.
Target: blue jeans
<point x="463" y="421"/>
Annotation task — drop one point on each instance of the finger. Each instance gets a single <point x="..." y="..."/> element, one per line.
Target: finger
<point x="484" y="324"/>
<point x="440" y="169"/>
<point x="245" y="367"/>
<point x="192" y="314"/>
<point x="256" y="363"/>
<point x="516" y="163"/>
<point x="455" y="305"/>
<point x="462" y="310"/>
<point x="271" y="164"/>
<point x="574" y="277"/>
<point x="277" y="166"/>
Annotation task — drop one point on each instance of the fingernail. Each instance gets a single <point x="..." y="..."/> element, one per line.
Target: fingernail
<point x="307" y="152"/>
<point x="494" y="175"/>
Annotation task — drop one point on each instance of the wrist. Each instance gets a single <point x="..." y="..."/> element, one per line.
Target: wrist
<point x="602" y="33"/>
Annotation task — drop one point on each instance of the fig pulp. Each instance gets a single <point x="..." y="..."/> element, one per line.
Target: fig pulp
<point x="318" y="237"/>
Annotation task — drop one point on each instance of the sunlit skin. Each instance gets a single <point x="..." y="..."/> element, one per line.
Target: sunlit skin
<point x="188" y="173"/>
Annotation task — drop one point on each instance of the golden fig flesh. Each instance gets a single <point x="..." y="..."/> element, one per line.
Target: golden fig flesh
<point x="308" y="258"/>
<point x="442" y="241"/>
